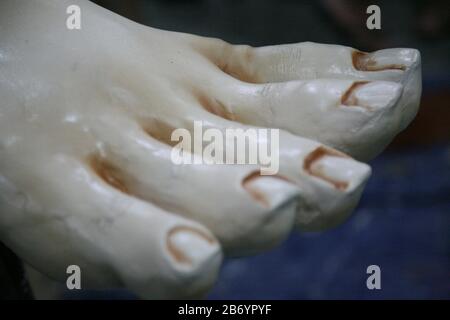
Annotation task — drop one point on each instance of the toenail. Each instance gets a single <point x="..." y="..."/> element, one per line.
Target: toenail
<point x="349" y="98"/>
<point x="372" y="95"/>
<point x="270" y="191"/>
<point x="364" y="61"/>
<point x="343" y="173"/>
<point x="190" y="247"/>
<point x="335" y="168"/>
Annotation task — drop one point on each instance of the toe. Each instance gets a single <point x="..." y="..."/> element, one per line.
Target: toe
<point x="308" y="60"/>
<point x="330" y="183"/>
<point x="117" y="240"/>
<point x="304" y="88"/>
<point x="357" y="117"/>
<point x="247" y="212"/>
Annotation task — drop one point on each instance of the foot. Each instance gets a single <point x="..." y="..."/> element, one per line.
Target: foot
<point x="86" y="175"/>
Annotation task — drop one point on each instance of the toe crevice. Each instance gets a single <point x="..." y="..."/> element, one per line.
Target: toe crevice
<point x="109" y="173"/>
<point x="159" y="130"/>
<point x="216" y="107"/>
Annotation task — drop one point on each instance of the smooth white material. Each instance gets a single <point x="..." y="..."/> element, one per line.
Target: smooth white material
<point x="112" y="88"/>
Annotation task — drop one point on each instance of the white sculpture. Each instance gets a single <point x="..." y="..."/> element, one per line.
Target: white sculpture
<point x="85" y="121"/>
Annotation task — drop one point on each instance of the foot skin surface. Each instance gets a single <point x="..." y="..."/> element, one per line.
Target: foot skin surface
<point x="86" y="176"/>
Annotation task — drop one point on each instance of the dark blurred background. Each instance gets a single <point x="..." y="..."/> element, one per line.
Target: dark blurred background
<point x="403" y="221"/>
